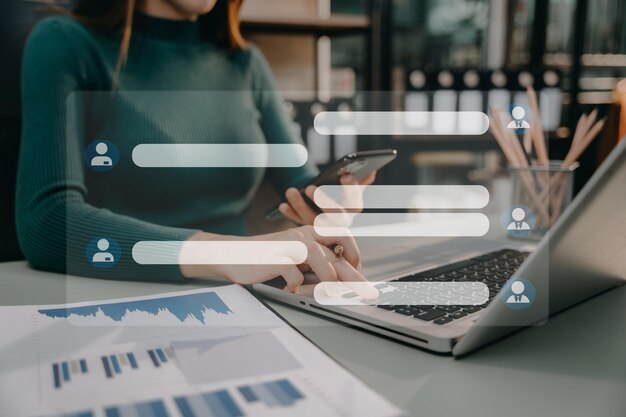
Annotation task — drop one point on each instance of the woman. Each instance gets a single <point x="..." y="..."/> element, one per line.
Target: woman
<point x="168" y="46"/>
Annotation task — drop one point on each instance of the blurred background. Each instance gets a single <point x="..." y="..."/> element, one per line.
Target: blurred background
<point x="403" y="55"/>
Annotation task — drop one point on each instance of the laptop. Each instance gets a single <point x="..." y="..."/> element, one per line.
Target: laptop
<point x="583" y="255"/>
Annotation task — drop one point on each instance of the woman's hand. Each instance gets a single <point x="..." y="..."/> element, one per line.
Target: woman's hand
<point x="320" y="259"/>
<point x="298" y="211"/>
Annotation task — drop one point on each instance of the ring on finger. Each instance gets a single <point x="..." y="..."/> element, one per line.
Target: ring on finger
<point x="337" y="250"/>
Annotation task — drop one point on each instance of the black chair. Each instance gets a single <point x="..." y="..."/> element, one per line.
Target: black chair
<point x="17" y="17"/>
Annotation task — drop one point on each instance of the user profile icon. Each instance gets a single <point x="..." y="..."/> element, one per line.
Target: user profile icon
<point x="518" y="294"/>
<point x="103" y="252"/>
<point x="101" y="155"/>
<point x="518" y="221"/>
<point x="519" y="216"/>
<point x="520" y="118"/>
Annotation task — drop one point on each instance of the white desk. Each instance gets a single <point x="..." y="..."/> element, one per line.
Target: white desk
<point x="573" y="366"/>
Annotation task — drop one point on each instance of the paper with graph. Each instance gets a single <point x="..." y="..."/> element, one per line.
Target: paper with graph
<point x="217" y="352"/>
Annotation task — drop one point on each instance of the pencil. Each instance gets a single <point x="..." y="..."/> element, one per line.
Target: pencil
<point x="537" y="129"/>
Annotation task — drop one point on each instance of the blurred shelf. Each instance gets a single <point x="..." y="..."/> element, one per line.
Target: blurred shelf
<point x="562" y="60"/>
<point x="336" y="24"/>
<point x="595" y="97"/>
<point x="604" y="60"/>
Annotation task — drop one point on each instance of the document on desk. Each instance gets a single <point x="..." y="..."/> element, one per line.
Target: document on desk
<point x="212" y="352"/>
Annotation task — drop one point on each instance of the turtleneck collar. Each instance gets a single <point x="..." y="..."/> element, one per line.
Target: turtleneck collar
<point x="166" y="29"/>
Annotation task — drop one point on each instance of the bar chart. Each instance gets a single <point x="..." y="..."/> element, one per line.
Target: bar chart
<point x="270" y="395"/>
<point x="64" y="372"/>
<point x="109" y="365"/>
<point x="154" y="408"/>
<point x="161" y="355"/>
<point x="210" y="404"/>
<point x="109" y="369"/>
<point x="281" y="393"/>
<point x="115" y="364"/>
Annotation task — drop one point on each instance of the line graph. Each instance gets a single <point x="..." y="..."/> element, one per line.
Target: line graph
<point x="182" y="307"/>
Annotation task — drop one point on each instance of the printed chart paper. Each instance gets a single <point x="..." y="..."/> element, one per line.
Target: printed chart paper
<point x="215" y="352"/>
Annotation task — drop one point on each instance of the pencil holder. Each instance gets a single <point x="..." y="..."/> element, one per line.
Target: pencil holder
<point x="540" y="195"/>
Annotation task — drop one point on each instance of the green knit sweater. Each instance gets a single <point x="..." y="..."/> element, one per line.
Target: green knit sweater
<point x="174" y="88"/>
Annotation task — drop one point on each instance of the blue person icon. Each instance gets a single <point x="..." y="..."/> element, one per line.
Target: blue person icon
<point x="103" y="252"/>
<point x="518" y="294"/>
<point x="101" y="155"/>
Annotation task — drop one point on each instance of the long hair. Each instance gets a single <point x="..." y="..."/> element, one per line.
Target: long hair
<point x="220" y="26"/>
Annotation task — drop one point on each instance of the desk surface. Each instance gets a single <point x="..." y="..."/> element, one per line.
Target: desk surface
<point x="575" y="365"/>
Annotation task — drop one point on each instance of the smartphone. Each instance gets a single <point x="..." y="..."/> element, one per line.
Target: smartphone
<point x="359" y="164"/>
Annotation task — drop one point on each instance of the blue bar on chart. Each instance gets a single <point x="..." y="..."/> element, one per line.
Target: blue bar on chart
<point x="107" y="367"/>
<point x="211" y="404"/>
<point x="154" y="408"/>
<point x="160" y="356"/>
<point x="281" y="393"/>
<point x="63" y="372"/>
<point x="56" y="375"/>
<point x="132" y="360"/>
<point x="66" y="371"/>
<point x="248" y="394"/>
<point x="115" y="364"/>
<point x="154" y="359"/>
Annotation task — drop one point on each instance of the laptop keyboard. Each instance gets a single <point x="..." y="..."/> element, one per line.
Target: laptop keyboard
<point x="494" y="269"/>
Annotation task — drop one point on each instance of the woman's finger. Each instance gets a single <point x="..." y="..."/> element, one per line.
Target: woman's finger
<point x="293" y="276"/>
<point x="300" y="206"/>
<point x="289" y="213"/>
<point x="348" y="179"/>
<point x="319" y="263"/>
<point x="369" y="179"/>
<point x="310" y="192"/>
<point x="351" y="251"/>
<point x="348" y="275"/>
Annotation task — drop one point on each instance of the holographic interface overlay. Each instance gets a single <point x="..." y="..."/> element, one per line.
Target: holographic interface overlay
<point x="449" y="196"/>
